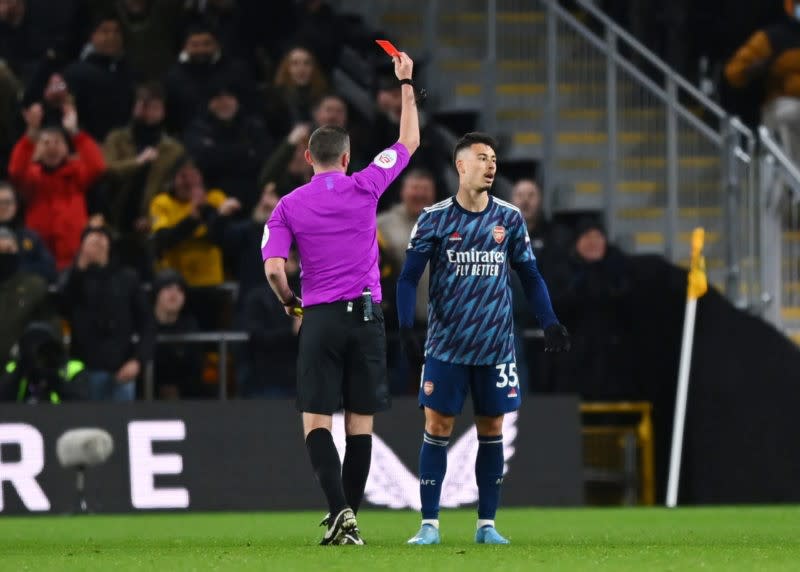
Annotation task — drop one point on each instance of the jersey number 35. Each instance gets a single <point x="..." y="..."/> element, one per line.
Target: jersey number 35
<point x="507" y="378"/>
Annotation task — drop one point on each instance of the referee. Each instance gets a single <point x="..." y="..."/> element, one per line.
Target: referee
<point x="342" y="356"/>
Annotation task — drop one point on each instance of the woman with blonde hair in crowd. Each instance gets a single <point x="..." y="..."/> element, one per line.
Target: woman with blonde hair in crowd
<point x="299" y="82"/>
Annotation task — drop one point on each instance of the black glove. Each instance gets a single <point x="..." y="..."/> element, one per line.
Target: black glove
<point x="412" y="348"/>
<point x="556" y="338"/>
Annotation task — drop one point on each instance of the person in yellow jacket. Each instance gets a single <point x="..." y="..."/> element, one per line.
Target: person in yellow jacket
<point x="187" y="225"/>
<point x="772" y="56"/>
<point x="184" y="224"/>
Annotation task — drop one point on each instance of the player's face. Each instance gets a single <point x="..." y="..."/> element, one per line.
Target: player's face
<point x="477" y="167"/>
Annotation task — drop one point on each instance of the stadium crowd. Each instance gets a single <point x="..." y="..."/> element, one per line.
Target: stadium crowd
<point x="144" y="143"/>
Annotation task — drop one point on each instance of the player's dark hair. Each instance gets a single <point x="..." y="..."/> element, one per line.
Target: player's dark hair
<point x="474" y="137"/>
<point x="328" y="143"/>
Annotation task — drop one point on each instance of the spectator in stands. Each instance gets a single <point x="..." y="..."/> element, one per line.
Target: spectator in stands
<point x="150" y="30"/>
<point x="54" y="184"/>
<point x="229" y="145"/>
<point x="527" y="197"/>
<point x="106" y="309"/>
<point x="418" y="191"/>
<point x="318" y="26"/>
<point x="241" y="240"/>
<point x="42" y="373"/>
<point x="225" y="17"/>
<point x="9" y="114"/>
<point x="48" y="88"/>
<point x="299" y="82"/>
<point x="772" y="56"/>
<point x="270" y="364"/>
<point x="177" y="365"/>
<point x="55" y="98"/>
<point x="101" y="81"/>
<point x="140" y="159"/>
<point x="202" y="66"/>
<point x="34" y="256"/>
<point x="23" y="295"/>
<point x="187" y="225"/>
<point x="434" y="155"/>
<point x="331" y="109"/>
<point x="591" y="296"/>
<point x="287" y="167"/>
<point x="20" y="45"/>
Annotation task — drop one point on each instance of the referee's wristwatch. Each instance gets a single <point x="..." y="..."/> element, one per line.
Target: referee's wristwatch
<point x="419" y="94"/>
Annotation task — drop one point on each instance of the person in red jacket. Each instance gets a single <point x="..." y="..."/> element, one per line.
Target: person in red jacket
<point x="53" y="183"/>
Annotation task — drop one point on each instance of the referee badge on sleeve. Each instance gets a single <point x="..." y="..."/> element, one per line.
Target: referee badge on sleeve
<point x="386" y="159"/>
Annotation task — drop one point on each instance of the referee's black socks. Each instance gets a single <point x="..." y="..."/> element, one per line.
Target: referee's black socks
<point x="328" y="468"/>
<point x="355" y="469"/>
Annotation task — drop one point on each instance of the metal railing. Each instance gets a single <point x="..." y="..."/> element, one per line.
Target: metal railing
<point x="223" y="339"/>
<point x="614" y="128"/>
<point x="779" y="228"/>
<point x="670" y="158"/>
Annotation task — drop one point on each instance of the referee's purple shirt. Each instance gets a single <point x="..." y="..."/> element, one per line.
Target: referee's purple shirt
<point x="332" y="221"/>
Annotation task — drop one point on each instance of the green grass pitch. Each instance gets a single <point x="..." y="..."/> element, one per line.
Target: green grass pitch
<point x="757" y="538"/>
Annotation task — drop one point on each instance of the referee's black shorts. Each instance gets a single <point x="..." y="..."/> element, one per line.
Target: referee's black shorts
<point x="342" y="360"/>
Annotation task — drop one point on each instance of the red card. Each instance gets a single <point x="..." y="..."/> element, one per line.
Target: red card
<point x="388" y="47"/>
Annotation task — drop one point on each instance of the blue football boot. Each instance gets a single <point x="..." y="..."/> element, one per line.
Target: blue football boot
<point x="489" y="535"/>
<point x="428" y="534"/>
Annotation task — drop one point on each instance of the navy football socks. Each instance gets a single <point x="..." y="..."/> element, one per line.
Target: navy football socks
<point x="489" y="474"/>
<point x="432" y="468"/>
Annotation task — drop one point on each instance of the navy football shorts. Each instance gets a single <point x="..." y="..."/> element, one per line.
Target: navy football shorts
<point x="444" y="386"/>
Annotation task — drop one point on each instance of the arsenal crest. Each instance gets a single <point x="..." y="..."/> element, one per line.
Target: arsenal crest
<point x="499" y="234"/>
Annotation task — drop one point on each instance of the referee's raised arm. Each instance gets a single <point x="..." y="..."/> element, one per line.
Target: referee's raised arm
<point x="409" y="118"/>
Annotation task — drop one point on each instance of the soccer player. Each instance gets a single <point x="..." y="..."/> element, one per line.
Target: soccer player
<point x="342" y="351"/>
<point x="471" y="241"/>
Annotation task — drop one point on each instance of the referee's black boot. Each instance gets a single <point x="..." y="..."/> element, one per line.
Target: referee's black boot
<point x="343" y="529"/>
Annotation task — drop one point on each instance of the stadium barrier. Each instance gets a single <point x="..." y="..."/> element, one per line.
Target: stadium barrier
<point x="249" y="455"/>
<point x="223" y="339"/>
